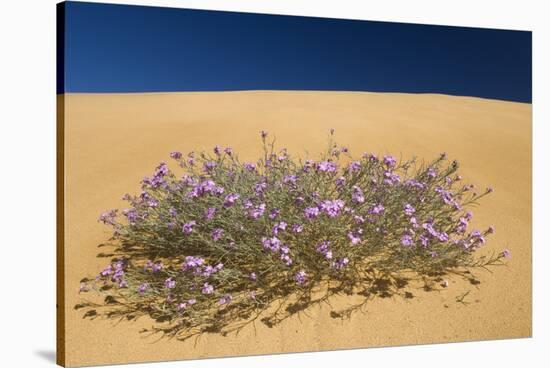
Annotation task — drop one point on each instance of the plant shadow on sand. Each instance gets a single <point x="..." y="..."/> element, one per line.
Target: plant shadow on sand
<point x="285" y="303"/>
<point x="228" y="243"/>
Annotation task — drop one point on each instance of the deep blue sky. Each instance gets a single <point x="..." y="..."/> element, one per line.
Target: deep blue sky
<point x="119" y="48"/>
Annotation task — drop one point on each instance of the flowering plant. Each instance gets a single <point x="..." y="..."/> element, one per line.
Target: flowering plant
<point x="226" y="242"/>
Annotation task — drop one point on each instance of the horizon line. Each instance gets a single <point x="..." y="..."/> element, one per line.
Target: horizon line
<point x="283" y="90"/>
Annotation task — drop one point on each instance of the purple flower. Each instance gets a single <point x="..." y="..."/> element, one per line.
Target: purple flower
<point x="359" y="219"/>
<point x="462" y="225"/>
<point x="340" y="181"/>
<point x="311" y="212"/>
<point x="170" y="283"/>
<point x="477" y="237"/>
<point x="108" y="218"/>
<point x="191" y="301"/>
<point x="132" y="215"/>
<point x="354" y="166"/>
<point x="257" y="211"/>
<point x="377" y="209"/>
<point x="443" y="237"/>
<point x="209" y="165"/>
<point x="225" y="299"/>
<point x="332" y="207"/>
<point x="205" y="187"/>
<point x="158" y="178"/>
<point x="259" y="188"/>
<point x="506" y="253"/>
<point x="228" y="151"/>
<point x="157" y="266"/>
<point x="263" y="134"/>
<point x="217" y="150"/>
<point x="430" y="229"/>
<point x="407" y="240"/>
<point x="290" y="179"/>
<point x="253" y="276"/>
<point x="188" y="180"/>
<point x="446" y="196"/>
<point x="175" y="155"/>
<point x="389" y="161"/>
<point x="209" y="213"/>
<point x="370" y="156"/>
<point x="107" y="271"/>
<point x="142" y="288"/>
<point x="274" y="213"/>
<point x="324" y="249"/>
<point x="326" y="166"/>
<point x="207" y="289"/>
<point x="230" y="199"/>
<point x="188" y="227"/>
<point x="119" y="272"/>
<point x="192" y="263"/>
<point x="409" y="210"/>
<point x="323" y="246"/>
<point x="281" y="226"/>
<point x="300" y="277"/>
<point x="424" y="240"/>
<point x="217" y="234"/>
<point x="285" y="257"/>
<point x="391" y="178"/>
<point x="431" y="172"/>
<point x="340" y="263"/>
<point x="273" y="244"/>
<point x="354" y="238"/>
<point x="249" y="166"/>
<point x="297" y="228"/>
<point x="357" y="194"/>
<point x="415" y="184"/>
<point x="209" y="270"/>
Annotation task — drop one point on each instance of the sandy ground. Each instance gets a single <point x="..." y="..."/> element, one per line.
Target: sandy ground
<point x="113" y="140"/>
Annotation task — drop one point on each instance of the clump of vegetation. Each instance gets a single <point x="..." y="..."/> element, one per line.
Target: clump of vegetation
<point x="226" y="242"/>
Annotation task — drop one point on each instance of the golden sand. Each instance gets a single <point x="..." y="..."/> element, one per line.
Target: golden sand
<point x="113" y="140"/>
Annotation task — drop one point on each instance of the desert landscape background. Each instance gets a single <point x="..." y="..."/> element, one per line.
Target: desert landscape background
<point x="113" y="140"/>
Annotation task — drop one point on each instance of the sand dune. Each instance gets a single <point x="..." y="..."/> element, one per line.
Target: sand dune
<point x="113" y="140"/>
